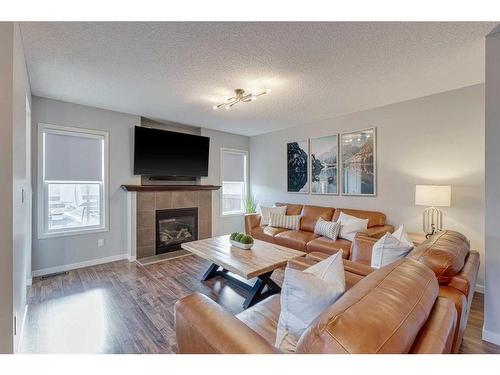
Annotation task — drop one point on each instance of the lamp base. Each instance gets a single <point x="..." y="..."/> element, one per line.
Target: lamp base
<point x="432" y="220"/>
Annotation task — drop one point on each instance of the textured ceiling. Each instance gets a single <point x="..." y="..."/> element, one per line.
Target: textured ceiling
<point x="177" y="71"/>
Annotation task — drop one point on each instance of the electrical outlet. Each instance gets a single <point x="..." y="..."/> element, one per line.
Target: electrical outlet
<point x="100" y="242"/>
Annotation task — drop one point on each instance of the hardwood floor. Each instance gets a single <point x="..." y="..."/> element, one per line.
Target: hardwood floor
<point x="123" y="307"/>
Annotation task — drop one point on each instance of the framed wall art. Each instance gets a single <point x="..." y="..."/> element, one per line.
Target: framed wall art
<point x="324" y="164"/>
<point x="297" y="166"/>
<point x="358" y="160"/>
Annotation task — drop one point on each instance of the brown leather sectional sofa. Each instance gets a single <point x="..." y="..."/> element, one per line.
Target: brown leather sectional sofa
<point x="396" y="309"/>
<point x="447" y="254"/>
<point x="305" y="239"/>
<point x="417" y="305"/>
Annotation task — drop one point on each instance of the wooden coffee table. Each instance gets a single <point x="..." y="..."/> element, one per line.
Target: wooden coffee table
<point x="260" y="262"/>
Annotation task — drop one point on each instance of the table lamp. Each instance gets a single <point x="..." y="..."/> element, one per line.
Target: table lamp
<point x="432" y="196"/>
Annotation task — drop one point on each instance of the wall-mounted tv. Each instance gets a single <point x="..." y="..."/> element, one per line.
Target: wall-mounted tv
<point x="165" y="153"/>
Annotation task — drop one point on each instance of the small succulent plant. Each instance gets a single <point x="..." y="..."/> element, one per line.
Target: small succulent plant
<point x="247" y="240"/>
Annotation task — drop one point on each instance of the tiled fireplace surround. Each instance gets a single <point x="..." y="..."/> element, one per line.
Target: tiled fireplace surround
<point x="149" y="202"/>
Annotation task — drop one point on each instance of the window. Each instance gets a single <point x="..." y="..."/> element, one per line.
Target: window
<point x="233" y="181"/>
<point x="72" y="180"/>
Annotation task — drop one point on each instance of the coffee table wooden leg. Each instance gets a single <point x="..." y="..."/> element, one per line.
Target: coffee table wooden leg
<point x="212" y="271"/>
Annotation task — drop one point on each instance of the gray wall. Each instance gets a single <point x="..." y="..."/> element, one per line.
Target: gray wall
<point x="54" y="252"/>
<point x="14" y="177"/>
<point x="435" y="139"/>
<point x="22" y="182"/>
<point x="62" y="251"/>
<point x="222" y="224"/>
<point x="491" y="330"/>
<point x="6" y="101"/>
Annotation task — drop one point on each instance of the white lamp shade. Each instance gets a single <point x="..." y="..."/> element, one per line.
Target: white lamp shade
<point x="433" y="195"/>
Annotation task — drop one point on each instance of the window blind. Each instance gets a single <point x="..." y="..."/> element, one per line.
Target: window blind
<point x="73" y="157"/>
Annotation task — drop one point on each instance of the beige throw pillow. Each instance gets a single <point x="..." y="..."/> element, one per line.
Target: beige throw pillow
<point x="390" y="248"/>
<point x="304" y="295"/>
<point x="284" y="221"/>
<point x="266" y="211"/>
<point x="350" y="225"/>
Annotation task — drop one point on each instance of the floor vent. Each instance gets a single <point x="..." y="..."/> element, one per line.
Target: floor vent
<point x="45" y="277"/>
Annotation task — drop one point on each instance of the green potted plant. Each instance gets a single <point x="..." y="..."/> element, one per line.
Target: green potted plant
<point x="241" y="240"/>
<point x="250" y="205"/>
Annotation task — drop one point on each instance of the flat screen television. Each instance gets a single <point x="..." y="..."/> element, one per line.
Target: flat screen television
<point x="165" y="153"/>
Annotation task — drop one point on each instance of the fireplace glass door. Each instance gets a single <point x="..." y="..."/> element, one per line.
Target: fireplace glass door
<point x="175" y="226"/>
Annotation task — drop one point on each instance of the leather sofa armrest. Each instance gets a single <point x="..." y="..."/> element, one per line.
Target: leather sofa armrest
<point x="349" y="266"/>
<point x="378" y="231"/>
<point x="436" y="336"/>
<point x="361" y="249"/>
<point x="251" y="221"/>
<point x="357" y="268"/>
<point x="465" y="280"/>
<point x="202" y="327"/>
<point x="301" y="263"/>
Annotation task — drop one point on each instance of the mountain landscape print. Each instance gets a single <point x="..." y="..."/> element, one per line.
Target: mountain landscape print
<point x="358" y="162"/>
<point x="324" y="165"/>
<point x="297" y="167"/>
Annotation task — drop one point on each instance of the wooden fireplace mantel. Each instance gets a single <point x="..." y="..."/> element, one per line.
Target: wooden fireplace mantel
<point x="169" y="187"/>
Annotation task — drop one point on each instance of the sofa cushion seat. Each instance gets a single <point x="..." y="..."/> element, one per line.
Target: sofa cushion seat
<point x="266" y="233"/>
<point x="311" y="214"/>
<point x="329" y="246"/>
<point x="291" y="209"/>
<point x="263" y="318"/>
<point x="295" y="239"/>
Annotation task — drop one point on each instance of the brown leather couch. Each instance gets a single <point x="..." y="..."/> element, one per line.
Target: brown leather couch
<point x="396" y="309"/>
<point x="305" y="239"/>
<point x="447" y="253"/>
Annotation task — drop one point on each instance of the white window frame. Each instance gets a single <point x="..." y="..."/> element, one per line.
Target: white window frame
<point x="42" y="186"/>
<point x="245" y="193"/>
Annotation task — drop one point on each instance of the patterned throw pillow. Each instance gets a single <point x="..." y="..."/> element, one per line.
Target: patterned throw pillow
<point x="328" y="229"/>
<point x="284" y="221"/>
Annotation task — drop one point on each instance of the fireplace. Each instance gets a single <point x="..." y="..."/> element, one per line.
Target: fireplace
<point x="175" y="226"/>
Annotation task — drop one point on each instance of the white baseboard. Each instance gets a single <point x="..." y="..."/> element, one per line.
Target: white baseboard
<point x="21" y="331"/>
<point x="480" y="288"/>
<point x="29" y="281"/>
<point x="132" y="258"/>
<point x="492" y="337"/>
<point x="74" y="266"/>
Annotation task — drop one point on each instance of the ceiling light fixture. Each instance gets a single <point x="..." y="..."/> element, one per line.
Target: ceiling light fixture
<point x="240" y="96"/>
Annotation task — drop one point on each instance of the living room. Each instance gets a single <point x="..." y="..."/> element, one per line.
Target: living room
<point x="250" y="187"/>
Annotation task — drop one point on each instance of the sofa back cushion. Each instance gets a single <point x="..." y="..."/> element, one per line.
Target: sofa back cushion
<point x="374" y="218"/>
<point x="311" y="214"/>
<point x="383" y="313"/>
<point x="444" y="253"/>
<point x="291" y="209"/>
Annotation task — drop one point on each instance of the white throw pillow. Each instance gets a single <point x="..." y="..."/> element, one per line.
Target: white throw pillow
<point x="266" y="211"/>
<point x="401" y="235"/>
<point x="284" y="221"/>
<point x="326" y="228"/>
<point x="305" y="295"/>
<point x="350" y="225"/>
<point x="390" y="248"/>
